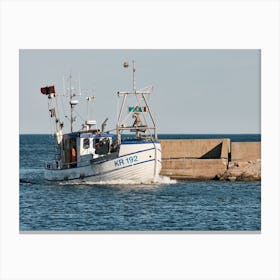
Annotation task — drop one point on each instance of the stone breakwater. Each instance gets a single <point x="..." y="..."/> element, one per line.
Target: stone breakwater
<point x="211" y="159"/>
<point x="242" y="171"/>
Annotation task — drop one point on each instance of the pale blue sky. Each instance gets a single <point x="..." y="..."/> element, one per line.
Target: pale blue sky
<point x="195" y="91"/>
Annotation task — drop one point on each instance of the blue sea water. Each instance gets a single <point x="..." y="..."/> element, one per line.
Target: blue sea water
<point x="167" y="206"/>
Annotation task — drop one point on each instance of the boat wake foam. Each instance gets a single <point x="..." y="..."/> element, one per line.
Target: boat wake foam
<point x="161" y="180"/>
<point x="165" y="180"/>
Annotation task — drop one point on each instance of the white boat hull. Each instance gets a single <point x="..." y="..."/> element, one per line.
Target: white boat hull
<point x="135" y="161"/>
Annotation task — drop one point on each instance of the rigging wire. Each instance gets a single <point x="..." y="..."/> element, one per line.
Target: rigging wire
<point x="79" y="115"/>
<point x="63" y="109"/>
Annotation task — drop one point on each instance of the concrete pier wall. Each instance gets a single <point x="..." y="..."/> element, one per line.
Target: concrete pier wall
<point x="195" y="148"/>
<point x="194" y="168"/>
<point x="210" y="159"/>
<point x="245" y="151"/>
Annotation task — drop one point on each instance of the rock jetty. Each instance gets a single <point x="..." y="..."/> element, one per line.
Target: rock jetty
<point x="242" y="171"/>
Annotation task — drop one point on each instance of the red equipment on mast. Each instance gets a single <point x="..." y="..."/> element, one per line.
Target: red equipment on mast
<point x="48" y="90"/>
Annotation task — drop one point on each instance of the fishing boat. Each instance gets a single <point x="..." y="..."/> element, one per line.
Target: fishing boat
<point x="132" y="152"/>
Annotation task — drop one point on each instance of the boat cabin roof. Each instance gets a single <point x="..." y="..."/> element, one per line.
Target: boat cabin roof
<point x="87" y="135"/>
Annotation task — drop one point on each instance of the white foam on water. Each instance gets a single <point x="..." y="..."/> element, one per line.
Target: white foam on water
<point x="165" y="180"/>
<point x="160" y="180"/>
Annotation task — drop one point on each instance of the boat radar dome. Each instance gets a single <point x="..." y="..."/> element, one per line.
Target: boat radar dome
<point x="74" y="102"/>
<point x="90" y="122"/>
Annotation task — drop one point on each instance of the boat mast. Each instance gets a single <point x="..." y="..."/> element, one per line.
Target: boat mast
<point x="122" y="127"/>
<point x="133" y="76"/>
<point x="56" y="123"/>
<point x="71" y="105"/>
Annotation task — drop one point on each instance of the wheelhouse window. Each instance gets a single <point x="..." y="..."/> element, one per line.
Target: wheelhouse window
<point x="86" y="143"/>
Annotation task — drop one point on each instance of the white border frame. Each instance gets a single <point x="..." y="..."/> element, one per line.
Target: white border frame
<point x="111" y="24"/>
